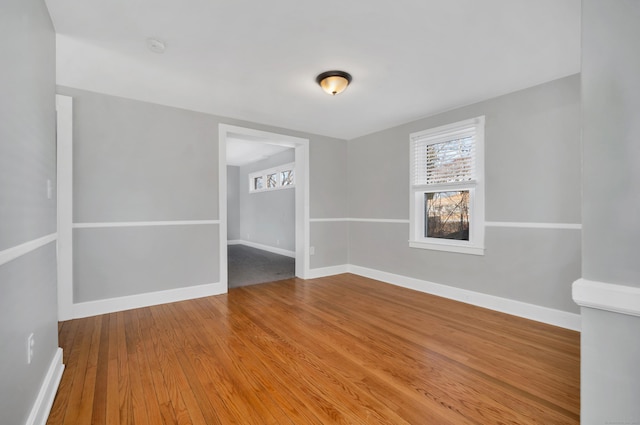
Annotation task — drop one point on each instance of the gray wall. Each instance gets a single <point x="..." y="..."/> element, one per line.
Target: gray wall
<point x="611" y="131"/>
<point x="609" y="368"/>
<point x="532" y="162"/>
<point x="329" y="200"/>
<point x="233" y="203"/>
<point x="135" y="161"/>
<point x="123" y="261"/>
<point x="611" y="206"/>
<point x="330" y="240"/>
<point x="268" y="218"/>
<point x="27" y="159"/>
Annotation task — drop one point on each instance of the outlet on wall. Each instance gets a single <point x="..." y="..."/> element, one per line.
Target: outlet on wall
<point x="30" y="344"/>
<point x="312" y="250"/>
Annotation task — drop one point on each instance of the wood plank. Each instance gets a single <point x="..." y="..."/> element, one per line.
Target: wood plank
<point x="101" y="373"/>
<point x="341" y="349"/>
<point x="125" y="396"/>
<point x="139" y="415"/>
<point x="139" y="340"/>
<point x="82" y="366"/>
<point x="165" y="406"/>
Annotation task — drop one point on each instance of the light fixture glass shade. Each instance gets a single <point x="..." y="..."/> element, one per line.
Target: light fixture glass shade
<point x="334" y="82"/>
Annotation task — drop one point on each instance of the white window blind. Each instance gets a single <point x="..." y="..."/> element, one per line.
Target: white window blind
<point x="444" y="158"/>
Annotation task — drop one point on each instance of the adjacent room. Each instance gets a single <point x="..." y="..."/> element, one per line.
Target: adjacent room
<point x="260" y="211"/>
<point x="416" y="212"/>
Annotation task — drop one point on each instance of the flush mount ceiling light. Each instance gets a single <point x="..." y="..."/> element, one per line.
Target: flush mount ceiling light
<point x="334" y="82"/>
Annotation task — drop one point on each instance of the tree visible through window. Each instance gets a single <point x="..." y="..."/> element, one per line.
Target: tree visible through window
<point x="447" y="215"/>
<point x="272" y="180"/>
<point x="275" y="178"/>
<point x="286" y="177"/>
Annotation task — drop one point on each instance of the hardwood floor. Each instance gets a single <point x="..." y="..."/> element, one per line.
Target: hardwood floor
<point x="341" y="349"/>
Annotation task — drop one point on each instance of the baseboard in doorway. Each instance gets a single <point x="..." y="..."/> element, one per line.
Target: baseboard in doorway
<point x="272" y="249"/>
<point x="327" y="271"/>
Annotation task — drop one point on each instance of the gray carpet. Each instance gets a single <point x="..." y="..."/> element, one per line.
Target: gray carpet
<point x="248" y="266"/>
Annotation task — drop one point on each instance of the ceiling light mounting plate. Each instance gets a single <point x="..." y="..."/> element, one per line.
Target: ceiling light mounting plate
<point x="156" y="45"/>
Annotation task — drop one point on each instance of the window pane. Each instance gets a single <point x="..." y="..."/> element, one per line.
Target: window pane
<point x="450" y="161"/>
<point x="286" y="178"/>
<point x="272" y="180"/>
<point x="447" y="215"/>
<point x="257" y="183"/>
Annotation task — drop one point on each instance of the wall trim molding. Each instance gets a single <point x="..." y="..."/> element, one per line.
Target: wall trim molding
<point x="328" y="271"/>
<point x="511" y="224"/>
<point x="378" y="220"/>
<point x="143" y="223"/>
<point x="42" y="406"/>
<point x="17" y="251"/>
<point x="267" y="248"/>
<point x="528" y="225"/>
<point x="607" y="296"/>
<point x="547" y="315"/>
<point x="359" y="220"/>
<point x="147" y="299"/>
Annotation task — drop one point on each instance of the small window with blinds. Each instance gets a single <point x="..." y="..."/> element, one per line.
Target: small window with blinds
<point x="447" y="188"/>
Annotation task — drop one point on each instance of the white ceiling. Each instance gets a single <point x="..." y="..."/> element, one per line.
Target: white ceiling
<point x="257" y="60"/>
<point x="242" y="150"/>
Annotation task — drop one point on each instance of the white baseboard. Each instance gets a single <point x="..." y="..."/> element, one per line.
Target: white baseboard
<point x="607" y="296"/>
<point x="516" y="308"/>
<point x="267" y="248"/>
<point x="327" y="271"/>
<point x="111" y="305"/>
<point x="42" y="406"/>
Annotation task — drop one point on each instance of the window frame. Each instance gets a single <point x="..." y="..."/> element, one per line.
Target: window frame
<point x="417" y="219"/>
<point x="291" y="166"/>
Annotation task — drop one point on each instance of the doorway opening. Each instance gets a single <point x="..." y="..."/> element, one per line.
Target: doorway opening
<point x="263" y="206"/>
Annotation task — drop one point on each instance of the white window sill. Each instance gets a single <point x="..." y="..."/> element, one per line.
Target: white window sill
<point x="271" y="189"/>
<point x="472" y="250"/>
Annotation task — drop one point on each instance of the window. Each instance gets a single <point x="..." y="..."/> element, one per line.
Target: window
<point x="447" y="188"/>
<point x="286" y="178"/>
<point x="257" y="183"/>
<point x="272" y="179"/>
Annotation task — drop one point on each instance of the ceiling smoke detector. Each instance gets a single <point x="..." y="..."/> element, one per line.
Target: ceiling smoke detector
<point x="156" y="45"/>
